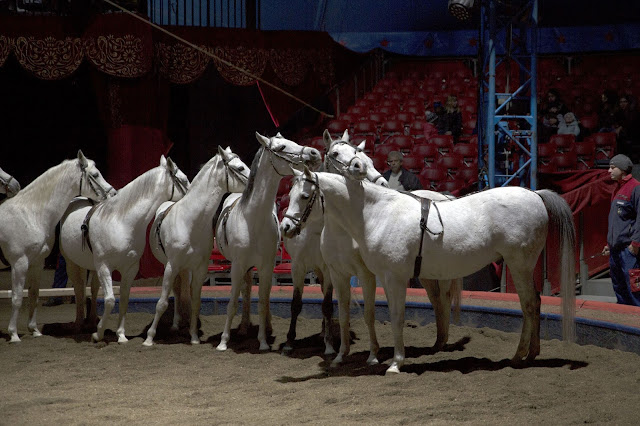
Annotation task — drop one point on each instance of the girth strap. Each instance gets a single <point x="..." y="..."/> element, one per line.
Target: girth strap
<point x="224" y="216"/>
<point x="161" y="217"/>
<point x="86" y="241"/>
<point x="425" y="206"/>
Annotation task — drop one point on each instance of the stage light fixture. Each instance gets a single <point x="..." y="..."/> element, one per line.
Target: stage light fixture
<point x="461" y="9"/>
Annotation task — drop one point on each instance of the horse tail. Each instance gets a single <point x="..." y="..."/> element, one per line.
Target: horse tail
<point x="561" y="226"/>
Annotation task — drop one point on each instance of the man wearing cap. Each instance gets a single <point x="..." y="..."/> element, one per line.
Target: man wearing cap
<point x="398" y="177"/>
<point x="623" y="236"/>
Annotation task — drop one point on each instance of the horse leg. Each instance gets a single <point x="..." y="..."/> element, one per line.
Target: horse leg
<point x="396" y="290"/>
<point x="18" y="278"/>
<point x="327" y="310"/>
<point x="92" y="277"/>
<point x="74" y="274"/>
<point x="438" y="292"/>
<point x="237" y="274"/>
<point x="104" y="276"/>
<point x="530" y="305"/>
<point x="125" y="286"/>
<point x="265" y="275"/>
<point x="343" y="294"/>
<point x="297" y="276"/>
<point x="182" y="296"/>
<point x="196" y="299"/>
<point x="368" y="284"/>
<point x="167" y="279"/>
<point x="33" y="280"/>
<point x="245" y="322"/>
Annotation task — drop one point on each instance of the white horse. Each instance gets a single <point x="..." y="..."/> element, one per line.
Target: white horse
<point x="324" y="240"/>
<point x="303" y="244"/>
<point x="461" y="236"/>
<point x="247" y="231"/>
<point x="29" y="219"/>
<point x="8" y="184"/>
<point x="111" y="236"/>
<point x="181" y="235"/>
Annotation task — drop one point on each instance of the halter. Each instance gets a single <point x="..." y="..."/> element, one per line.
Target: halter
<point x="6" y="183"/>
<point x="344" y="166"/>
<point x="298" y="222"/>
<point x="93" y="182"/>
<point x="177" y="182"/>
<point x="286" y="157"/>
<point x="228" y="169"/>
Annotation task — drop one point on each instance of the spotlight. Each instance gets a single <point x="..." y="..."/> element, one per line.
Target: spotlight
<point x="461" y="9"/>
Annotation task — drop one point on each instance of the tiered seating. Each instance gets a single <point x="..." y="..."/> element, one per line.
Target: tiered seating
<point x="219" y="267"/>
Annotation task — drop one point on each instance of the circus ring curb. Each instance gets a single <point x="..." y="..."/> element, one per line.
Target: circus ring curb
<point x="605" y="334"/>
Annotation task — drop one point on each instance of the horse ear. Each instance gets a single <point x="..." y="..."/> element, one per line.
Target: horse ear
<point x="171" y="165"/>
<point x="307" y="172"/>
<point x="345" y="135"/>
<point x="279" y="135"/>
<point x="361" y="146"/>
<point x="220" y="150"/>
<point x="262" y="139"/>
<point x="163" y="161"/>
<point x="224" y="154"/>
<point x="82" y="159"/>
<point x="295" y="171"/>
<point x="326" y="137"/>
<point x="228" y="149"/>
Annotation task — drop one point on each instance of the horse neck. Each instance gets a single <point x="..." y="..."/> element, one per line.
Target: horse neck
<point x="51" y="192"/>
<point x="141" y="197"/>
<point x="346" y="204"/>
<point x="265" y="189"/>
<point x="204" y="195"/>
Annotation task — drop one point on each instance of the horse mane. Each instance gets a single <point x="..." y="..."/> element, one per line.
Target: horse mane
<point x="252" y="176"/>
<point x="205" y="170"/>
<point x="131" y="193"/>
<point x="46" y="185"/>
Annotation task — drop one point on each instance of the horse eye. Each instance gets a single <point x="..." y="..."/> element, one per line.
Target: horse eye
<point x="240" y="168"/>
<point x="279" y="148"/>
<point x="304" y="196"/>
<point x="334" y="154"/>
<point x="95" y="175"/>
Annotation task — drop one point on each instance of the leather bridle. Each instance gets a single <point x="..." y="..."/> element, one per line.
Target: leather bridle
<point x="300" y="221"/>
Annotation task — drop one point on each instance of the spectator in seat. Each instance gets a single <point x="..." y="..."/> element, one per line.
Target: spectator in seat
<point x="568" y="124"/>
<point x="553" y="105"/>
<point x="623" y="236"/>
<point x="398" y="177"/>
<point x="627" y="126"/>
<point x="607" y="111"/>
<point x="430" y="128"/>
<point x="549" y="127"/>
<point x="450" y="121"/>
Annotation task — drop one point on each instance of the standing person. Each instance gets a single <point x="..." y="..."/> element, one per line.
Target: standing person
<point x="623" y="236"/>
<point x="398" y="177"/>
<point x="450" y="121"/>
<point x="59" y="281"/>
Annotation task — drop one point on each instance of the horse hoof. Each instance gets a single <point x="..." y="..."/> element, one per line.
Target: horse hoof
<point x="394" y="369"/>
<point x="264" y="347"/>
<point x="221" y="347"/>
<point x="95" y="338"/>
<point x="372" y="360"/>
<point x="147" y="343"/>
<point x="122" y="339"/>
<point x="195" y="341"/>
<point x="328" y="350"/>
<point x="175" y="328"/>
<point x="36" y="333"/>
<point x="15" y="339"/>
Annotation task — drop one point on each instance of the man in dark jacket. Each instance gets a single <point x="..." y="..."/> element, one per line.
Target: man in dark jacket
<point x="623" y="236"/>
<point x="398" y="177"/>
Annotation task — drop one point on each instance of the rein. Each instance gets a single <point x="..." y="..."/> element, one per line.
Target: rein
<point x="307" y="210"/>
<point x="86" y="241"/>
<point x="92" y="183"/>
<point x="176" y="182"/>
<point x="232" y="170"/>
<point x="286" y="158"/>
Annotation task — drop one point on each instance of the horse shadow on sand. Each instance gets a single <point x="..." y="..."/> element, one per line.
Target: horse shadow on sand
<point x="355" y="364"/>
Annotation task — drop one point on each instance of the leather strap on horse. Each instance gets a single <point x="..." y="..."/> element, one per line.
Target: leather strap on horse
<point x="86" y="241"/>
<point x="224" y="217"/>
<point x="425" y="206"/>
<point x="161" y="217"/>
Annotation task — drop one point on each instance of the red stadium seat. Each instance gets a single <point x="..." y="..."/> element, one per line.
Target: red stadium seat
<point x="403" y="142"/>
<point x="451" y="163"/>
<point x="416" y="128"/>
<point x="468" y="152"/>
<point x="605" y="145"/>
<point x="546" y="152"/>
<point x="390" y="128"/>
<point x="563" y="142"/>
<point x="413" y="163"/>
<point x="567" y="160"/>
<point x="443" y="142"/>
<point x="284" y="186"/>
<point x="369" y="141"/>
<point x="428" y="152"/>
<point x="385" y="149"/>
<point x="586" y="152"/>
<point x="589" y="122"/>
<point x="337" y="127"/>
<point x="432" y="177"/>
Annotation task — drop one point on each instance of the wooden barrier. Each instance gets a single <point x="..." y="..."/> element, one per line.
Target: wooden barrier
<point x="50" y="292"/>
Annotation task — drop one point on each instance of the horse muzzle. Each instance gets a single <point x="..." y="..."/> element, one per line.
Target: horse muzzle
<point x="357" y="169"/>
<point x="288" y="228"/>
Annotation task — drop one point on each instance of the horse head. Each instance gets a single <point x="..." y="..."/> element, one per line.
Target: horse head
<point x="349" y="160"/>
<point x="92" y="184"/>
<point x="284" y="152"/>
<point x="8" y="184"/>
<point x="304" y="194"/>
<point x="236" y="172"/>
<point x="179" y="179"/>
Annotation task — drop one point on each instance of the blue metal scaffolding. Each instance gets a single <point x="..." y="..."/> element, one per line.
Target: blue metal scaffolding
<point x="507" y="131"/>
